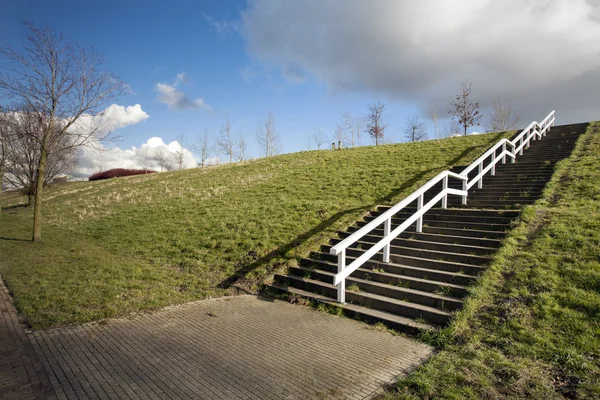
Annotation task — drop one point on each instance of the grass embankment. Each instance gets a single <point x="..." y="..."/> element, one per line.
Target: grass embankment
<point x="531" y="329"/>
<point x="126" y="244"/>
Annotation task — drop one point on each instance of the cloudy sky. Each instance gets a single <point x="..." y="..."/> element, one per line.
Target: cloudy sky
<point x="193" y="64"/>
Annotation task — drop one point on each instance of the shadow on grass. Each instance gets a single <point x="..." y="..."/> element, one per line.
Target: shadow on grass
<point x="22" y="205"/>
<point x="15" y="239"/>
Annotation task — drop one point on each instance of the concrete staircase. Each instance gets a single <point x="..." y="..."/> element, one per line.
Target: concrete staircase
<point x="429" y="273"/>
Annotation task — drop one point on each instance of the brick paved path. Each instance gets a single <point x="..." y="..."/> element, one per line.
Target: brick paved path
<point x="21" y="374"/>
<point x="230" y="348"/>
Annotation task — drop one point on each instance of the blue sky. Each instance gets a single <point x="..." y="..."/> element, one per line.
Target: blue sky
<point x="147" y="42"/>
<point x="307" y="62"/>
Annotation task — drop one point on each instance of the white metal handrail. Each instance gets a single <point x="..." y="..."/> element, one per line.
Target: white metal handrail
<point x="533" y="131"/>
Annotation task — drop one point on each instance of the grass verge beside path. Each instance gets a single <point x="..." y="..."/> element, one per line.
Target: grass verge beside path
<point x="142" y="242"/>
<point x="531" y="329"/>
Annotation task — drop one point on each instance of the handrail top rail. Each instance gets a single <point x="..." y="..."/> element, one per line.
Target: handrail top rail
<point x="485" y="155"/>
<point x="338" y="248"/>
<point x="525" y="131"/>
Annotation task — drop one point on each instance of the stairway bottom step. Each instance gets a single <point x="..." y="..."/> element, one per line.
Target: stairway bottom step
<point x="396" y="322"/>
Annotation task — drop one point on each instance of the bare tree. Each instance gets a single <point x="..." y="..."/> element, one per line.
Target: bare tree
<point x="226" y="142"/>
<point x="451" y="128"/>
<point x="338" y="135"/>
<point x="61" y="83"/>
<point x="414" y="129"/>
<point x="240" y="152"/>
<point x="352" y="128"/>
<point x="180" y="154"/>
<point x="433" y="116"/>
<point x="4" y="140"/>
<point x="267" y="136"/>
<point x="319" y="136"/>
<point x="203" y="148"/>
<point x="22" y="152"/>
<point x="501" y="120"/>
<point x="308" y="142"/>
<point x="464" y="110"/>
<point x="163" y="159"/>
<point x="145" y="161"/>
<point x="375" y="126"/>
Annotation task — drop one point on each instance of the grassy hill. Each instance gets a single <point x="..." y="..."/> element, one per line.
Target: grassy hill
<point x="531" y="328"/>
<point x="126" y="244"/>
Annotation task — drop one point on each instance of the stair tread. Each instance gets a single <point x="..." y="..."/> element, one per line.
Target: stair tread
<point x="429" y="250"/>
<point x="408" y="290"/>
<point x="374" y="313"/>
<point x="385" y="285"/>
<point x="421" y="269"/>
<point x="391" y="300"/>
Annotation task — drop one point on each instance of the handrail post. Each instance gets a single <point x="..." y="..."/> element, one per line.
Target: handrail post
<point x="420" y="220"/>
<point x="493" y="172"/>
<point x="503" y="155"/>
<point x="341" y="288"/>
<point x="521" y="146"/>
<point x="464" y="187"/>
<point x="480" y="181"/>
<point x="444" y="187"/>
<point x="387" y="227"/>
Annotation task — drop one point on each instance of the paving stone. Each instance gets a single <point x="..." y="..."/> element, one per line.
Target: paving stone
<point x="230" y="348"/>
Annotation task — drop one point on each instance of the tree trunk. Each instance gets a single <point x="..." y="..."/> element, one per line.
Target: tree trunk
<point x="1" y="179"/>
<point x="37" y="209"/>
<point x="465" y="130"/>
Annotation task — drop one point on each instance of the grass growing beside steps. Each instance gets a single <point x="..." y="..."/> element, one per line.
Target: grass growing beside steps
<point x="531" y="329"/>
<point x="127" y="244"/>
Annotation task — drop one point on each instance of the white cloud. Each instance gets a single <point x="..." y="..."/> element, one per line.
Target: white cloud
<point x="112" y="118"/>
<point x="177" y="99"/>
<point x="102" y="158"/>
<point x="536" y="55"/>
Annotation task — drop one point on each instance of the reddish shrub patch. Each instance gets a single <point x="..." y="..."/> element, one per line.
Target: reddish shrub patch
<point x="113" y="173"/>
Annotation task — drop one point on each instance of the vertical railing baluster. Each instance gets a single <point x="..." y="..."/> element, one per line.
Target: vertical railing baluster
<point x="420" y="220"/>
<point x="444" y="187"/>
<point x="387" y="227"/>
<point x="341" y="289"/>
<point x="503" y="153"/>
<point x="480" y="181"/>
<point x="521" y="146"/>
<point x="464" y="188"/>
<point x="493" y="172"/>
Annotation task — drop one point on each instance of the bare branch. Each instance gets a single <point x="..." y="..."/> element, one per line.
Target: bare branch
<point x="267" y="136"/>
<point x="414" y="129"/>
<point x="375" y="127"/>
<point x="501" y="120"/>
<point x="463" y="110"/>
<point x="225" y="142"/>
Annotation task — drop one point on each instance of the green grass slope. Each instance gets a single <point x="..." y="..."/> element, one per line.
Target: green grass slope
<point x="531" y="329"/>
<point x="127" y="244"/>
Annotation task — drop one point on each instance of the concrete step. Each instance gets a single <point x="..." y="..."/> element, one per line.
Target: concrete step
<point x="447" y="224"/>
<point x="396" y="322"/>
<point x="467" y="235"/>
<point x="429" y="269"/>
<point x="373" y="271"/>
<point x="501" y="196"/>
<point x="414" y="242"/>
<point x="383" y="289"/>
<point x="471" y="233"/>
<point x="392" y="305"/>
<point x="459" y="212"/>
<point x="433" y="216"/>
<point x="397" y="252"/>
<point x="366" y="299"/>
